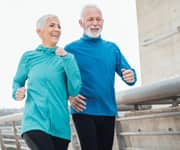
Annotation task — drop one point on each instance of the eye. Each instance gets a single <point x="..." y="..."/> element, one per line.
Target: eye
<point x="98" y="19"/>
<point x="52" y="25"/>
<point x="90" y="19"/>
<point x="59" y="26"/>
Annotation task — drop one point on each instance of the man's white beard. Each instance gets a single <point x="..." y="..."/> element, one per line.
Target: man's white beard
<point x="91" y="34"/>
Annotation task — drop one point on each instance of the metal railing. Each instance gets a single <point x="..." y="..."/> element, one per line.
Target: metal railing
<point x="10" y="133"/>
<point x="161" y="37"/>
<point x="163" y="92"/>
<point x="10" y="138"/>
<point x="140" y="129"/>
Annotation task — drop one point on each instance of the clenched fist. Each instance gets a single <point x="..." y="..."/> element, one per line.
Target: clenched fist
<point x="128" y="75"/>
<point x="20" y="93"/>
<point x="61" y="52"/>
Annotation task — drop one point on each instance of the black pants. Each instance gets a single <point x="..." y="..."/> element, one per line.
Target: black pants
<point x="38" y="140"/>
<point x="95" y="132"/>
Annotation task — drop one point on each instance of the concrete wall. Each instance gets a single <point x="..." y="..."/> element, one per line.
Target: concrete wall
<point x="150" y="130"/>
<point x="161" y="58"/>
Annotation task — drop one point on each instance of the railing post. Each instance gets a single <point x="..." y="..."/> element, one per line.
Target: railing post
<point x="175" y="102"/>
<point x="2" y="142"/>
<point x="75" y="140"/>
<point x="18" y="146"/>
<point x="120" y="139"/>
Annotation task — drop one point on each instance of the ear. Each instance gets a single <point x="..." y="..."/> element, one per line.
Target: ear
<point x="103" y="21"/>
<point x="81" y="23"/>
<point x="39" y="32"/>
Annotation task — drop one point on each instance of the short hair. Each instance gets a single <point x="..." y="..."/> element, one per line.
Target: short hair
<point x="43" y="20"/>
<point x="89" y="6"/>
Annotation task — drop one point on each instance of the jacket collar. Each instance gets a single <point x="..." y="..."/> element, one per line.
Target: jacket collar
<point x="87" y="38"/>
<point x="46" y="49"/>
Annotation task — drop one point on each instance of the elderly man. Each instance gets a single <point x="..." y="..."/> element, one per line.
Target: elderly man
<point x="94" y="109"/>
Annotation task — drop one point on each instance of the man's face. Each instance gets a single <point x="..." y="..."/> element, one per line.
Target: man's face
<point x="92" y="22"/>
<point x="51" y="32"/>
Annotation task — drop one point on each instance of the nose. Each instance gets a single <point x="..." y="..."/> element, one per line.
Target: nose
<point x="95" y="22"/>
<point x="57" y="28"/>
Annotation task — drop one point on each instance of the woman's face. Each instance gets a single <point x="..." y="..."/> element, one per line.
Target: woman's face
<point x="50" y="32"/>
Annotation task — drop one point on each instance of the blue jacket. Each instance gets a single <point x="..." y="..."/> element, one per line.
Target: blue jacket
<point x="51" y="79"/>
<point x="98" y="60"/>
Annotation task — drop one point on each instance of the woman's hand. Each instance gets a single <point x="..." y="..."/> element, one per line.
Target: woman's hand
<point x="20" y="93"/>
<point x="61" y="52"/>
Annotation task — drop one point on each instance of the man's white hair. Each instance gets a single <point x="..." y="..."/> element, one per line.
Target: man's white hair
<point x="89" y="6"/>
<point x="43" y="20"/>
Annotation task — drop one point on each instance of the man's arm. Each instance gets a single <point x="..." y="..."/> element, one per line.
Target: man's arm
<point x="123" y="68"/>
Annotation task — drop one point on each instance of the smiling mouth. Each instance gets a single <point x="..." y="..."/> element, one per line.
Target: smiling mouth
<point x="94" y="29"/>
<point x="55" y="36"/>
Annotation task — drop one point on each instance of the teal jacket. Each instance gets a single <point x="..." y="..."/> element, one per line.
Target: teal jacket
<point x="51" y="79"/>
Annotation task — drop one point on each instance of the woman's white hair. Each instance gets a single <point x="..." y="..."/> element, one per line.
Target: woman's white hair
<point x="89" y="6"/>
<point x="43" y="20"/>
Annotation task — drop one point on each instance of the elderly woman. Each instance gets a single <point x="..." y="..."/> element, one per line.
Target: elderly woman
<point x="51" y="79"/>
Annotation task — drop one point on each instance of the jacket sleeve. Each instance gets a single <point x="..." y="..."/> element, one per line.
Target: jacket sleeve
<point x="73" y="75"/>
<point x="20" y="76"/>
<point x="122" y="63"/>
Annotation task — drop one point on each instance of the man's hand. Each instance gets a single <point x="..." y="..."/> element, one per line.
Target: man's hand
<point x="78" y="103"/>
<point x="61" y="52"/>
<point x="20" y="94"/>
<point x="128" y="75"/>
